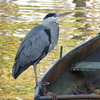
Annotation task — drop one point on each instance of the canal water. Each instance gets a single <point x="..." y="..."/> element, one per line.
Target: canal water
<point x="17" y="17"/>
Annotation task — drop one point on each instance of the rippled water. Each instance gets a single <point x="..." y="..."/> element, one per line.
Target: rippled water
<point x="19" y="16"/>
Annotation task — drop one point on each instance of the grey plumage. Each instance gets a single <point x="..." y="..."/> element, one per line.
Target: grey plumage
<point x="36" y="44"/>
<point x="33" y="48"/>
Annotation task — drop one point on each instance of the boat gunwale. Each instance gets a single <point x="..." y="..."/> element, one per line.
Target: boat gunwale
<point x="71" y="97"/>
<point x="67" y="54"/>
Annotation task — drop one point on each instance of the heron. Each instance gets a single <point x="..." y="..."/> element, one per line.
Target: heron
<point x="37" y="44"/>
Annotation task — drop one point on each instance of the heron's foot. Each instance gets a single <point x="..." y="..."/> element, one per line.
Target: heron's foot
<point x="54" y="96"/>
<point x="42" y="86"/>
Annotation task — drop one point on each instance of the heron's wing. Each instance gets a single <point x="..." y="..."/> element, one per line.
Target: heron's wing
<point x="33" y="48"/>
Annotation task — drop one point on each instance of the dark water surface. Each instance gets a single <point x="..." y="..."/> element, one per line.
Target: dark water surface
<point x="19" y="16"/>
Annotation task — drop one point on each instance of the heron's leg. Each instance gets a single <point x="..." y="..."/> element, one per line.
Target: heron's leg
<point x="42" y="85"/>
<point x="36" y="79"/>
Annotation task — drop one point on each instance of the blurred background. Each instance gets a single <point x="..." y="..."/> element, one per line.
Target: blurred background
<point x="17" y="17"/>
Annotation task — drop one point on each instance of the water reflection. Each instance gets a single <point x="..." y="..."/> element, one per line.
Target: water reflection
<point x="19" y="16"/>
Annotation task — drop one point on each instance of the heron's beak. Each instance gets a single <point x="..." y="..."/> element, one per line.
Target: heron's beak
<point x="64" y="14"/>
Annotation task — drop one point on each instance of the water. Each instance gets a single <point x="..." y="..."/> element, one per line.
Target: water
<point x="19" y="16"/>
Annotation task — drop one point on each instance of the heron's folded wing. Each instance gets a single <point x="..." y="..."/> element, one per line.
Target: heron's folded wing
<point x="35" y="43"/>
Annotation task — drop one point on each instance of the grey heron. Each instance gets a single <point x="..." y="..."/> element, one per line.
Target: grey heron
<point x="37" y="43"/>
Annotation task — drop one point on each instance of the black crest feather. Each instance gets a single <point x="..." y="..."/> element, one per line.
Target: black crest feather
<point x="50" y="15"/>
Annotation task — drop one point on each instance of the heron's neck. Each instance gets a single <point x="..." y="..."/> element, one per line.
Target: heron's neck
<point x="48" y="23"/>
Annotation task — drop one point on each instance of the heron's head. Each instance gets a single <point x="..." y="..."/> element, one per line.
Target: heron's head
<point x="52" y="17"/>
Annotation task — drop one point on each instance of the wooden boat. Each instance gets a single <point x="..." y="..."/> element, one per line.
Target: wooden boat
<point x="76" y="75"/>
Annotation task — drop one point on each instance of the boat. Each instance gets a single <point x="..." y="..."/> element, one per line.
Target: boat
<point x="76" y="75"/>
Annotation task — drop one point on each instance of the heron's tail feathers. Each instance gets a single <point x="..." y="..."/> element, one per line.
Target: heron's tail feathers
<point x="18" y="69"/>
<point x="15" y="70"/>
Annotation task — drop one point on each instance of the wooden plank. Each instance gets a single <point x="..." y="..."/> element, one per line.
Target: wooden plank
<point x="86" y="66"/>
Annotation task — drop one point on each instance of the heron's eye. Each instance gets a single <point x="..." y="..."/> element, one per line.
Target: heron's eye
<point x="55" y="15"/>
